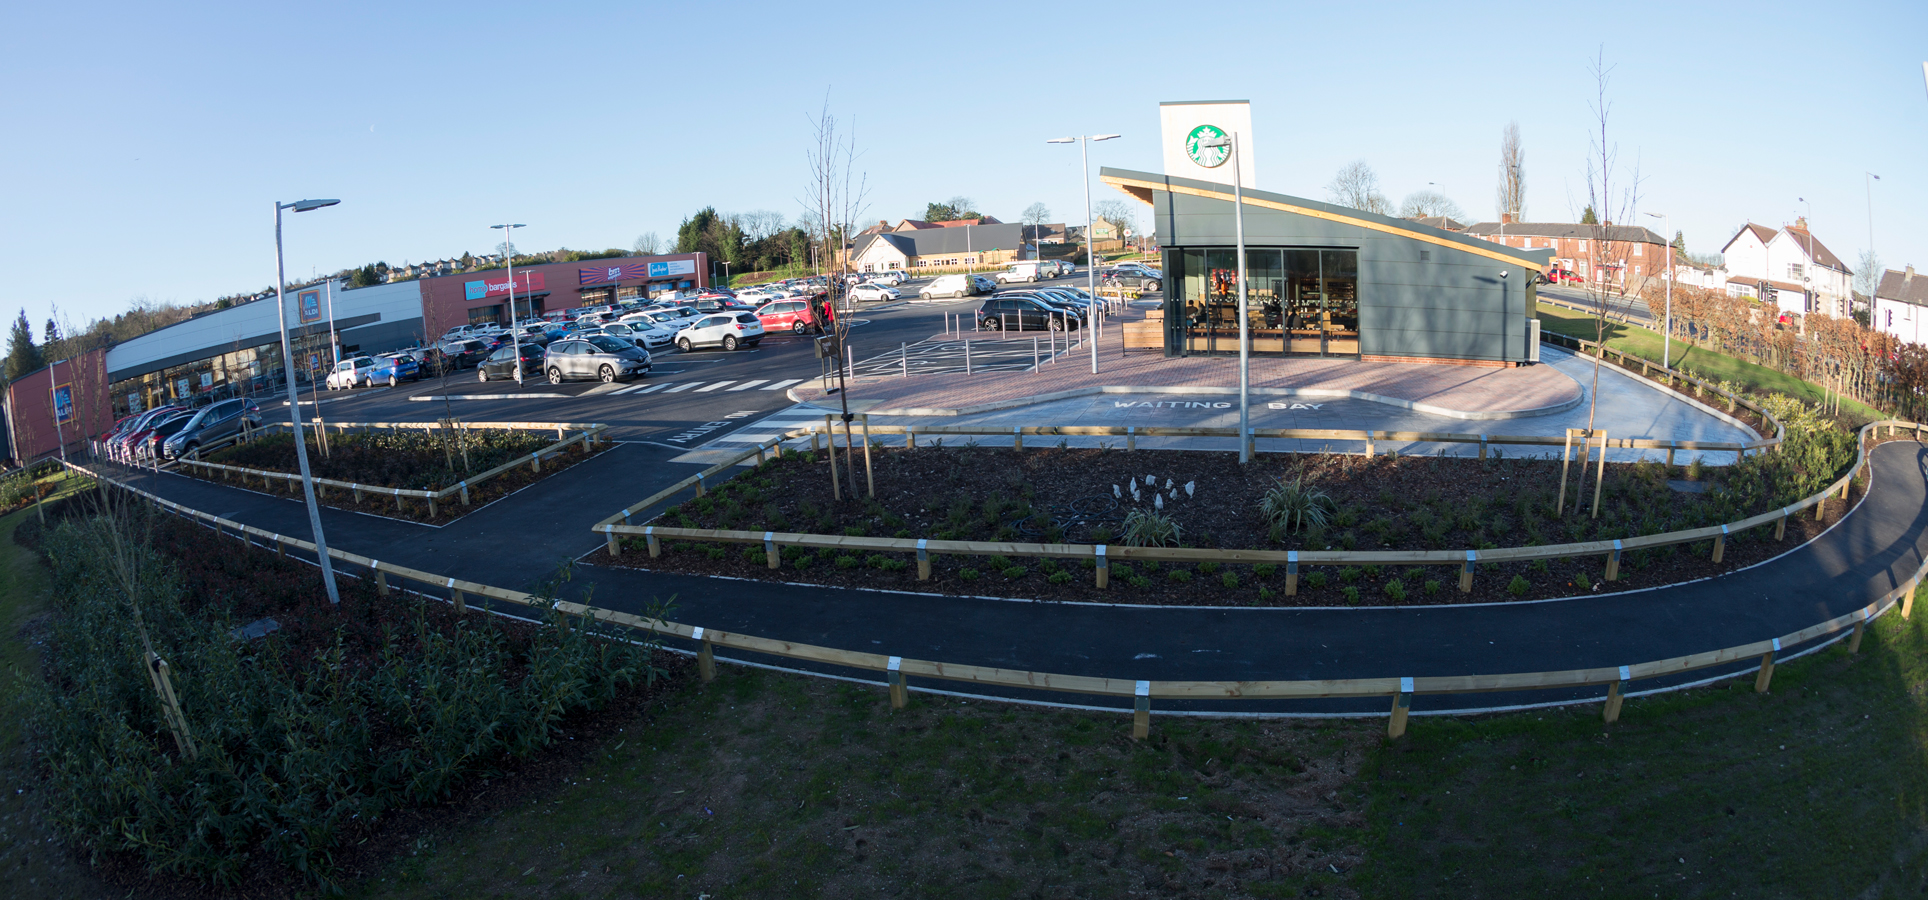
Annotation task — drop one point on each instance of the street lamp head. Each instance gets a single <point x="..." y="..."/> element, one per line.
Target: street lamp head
<point x="1062" y="141"/>
<point x="1105" y="137"/>
<point x="517" y="225"/>
<point x="1658" y="215"/>
<point x="306" y="205"/>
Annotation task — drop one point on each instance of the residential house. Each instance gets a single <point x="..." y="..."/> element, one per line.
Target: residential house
<point x="984" y="246"/>
<point x="1633" y="253"/>
<point x="1901" y="305"/>
<point x="1791" y="267"/>
<point x="1446" y="223"/>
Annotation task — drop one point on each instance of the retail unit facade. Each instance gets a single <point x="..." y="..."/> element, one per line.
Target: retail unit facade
<point x="1330" y="281"/>
<point x="471" y="298"/>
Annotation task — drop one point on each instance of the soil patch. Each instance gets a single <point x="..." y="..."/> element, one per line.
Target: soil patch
<point x="1082" y="496"/>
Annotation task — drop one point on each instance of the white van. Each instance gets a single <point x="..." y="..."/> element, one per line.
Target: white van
<point x="948" y="286"/>
<point x="1026" y="272"/>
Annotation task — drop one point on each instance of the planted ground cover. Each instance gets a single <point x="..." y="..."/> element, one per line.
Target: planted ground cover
<point x="299" y="745"/>
<point x="411" y="460"/>
<point x="1202" y="499"/>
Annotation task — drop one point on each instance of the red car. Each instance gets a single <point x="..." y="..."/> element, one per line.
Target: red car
<point x="794" y="316"/>
<point x="1562" y="276"/>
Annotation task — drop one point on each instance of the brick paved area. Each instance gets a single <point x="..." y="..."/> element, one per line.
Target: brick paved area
<point x="1465" y="392"/>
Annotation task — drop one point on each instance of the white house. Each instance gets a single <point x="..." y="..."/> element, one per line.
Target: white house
<point x="1901" y="305"/>
<point x="1803" y="274"/>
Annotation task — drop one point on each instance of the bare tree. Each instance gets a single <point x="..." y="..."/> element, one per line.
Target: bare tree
<point x="648" y="244"/>
<point x="1429" y="203"/>
<point x="1867" y="276"/>
<point x="1512" y="187"/>
<point x="1357" y="186"/>
<point x="759" y="224"/>
<point x="1119" y="213"/>
<point x="837" y="198"/>
<point x="1037" y="214"/>
<point x="1608" y="249"/>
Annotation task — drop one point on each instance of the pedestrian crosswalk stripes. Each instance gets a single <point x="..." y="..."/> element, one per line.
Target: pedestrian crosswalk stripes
<point x="683" y="387"/>
<point x="781" y="384"/>
<point x="769" y="427"/>
<point x="748" y="384"/>
<point x="712" y="386"/>
<point x="700" y="387"/>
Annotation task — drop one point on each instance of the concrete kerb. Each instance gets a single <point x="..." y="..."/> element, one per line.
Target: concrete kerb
<point x="1319" y="393"/>
<point x="1674" y="392"/>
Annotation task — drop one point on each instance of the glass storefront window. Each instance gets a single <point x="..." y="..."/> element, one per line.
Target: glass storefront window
<point x="1299" y="301"/>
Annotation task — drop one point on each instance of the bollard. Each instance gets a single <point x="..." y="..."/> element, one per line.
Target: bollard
<point x="903" y="357"/>
<point x="1141" y="712"/>
<point x="899" y="691"/>
<point x="706" y="657"/>
<point x="923" y="560"/>
<point x="1766" y="677"/>
<point x="1402" y="703"/>
<point x="1103" y="567"/>
<point x="967" y="354"/>
<point x="1291" y="573"/>
<point x="1616" y="695"/>
<point x="1035" y="365"/>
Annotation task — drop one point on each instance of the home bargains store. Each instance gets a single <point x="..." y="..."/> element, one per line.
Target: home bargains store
<point x="473" y="297"/>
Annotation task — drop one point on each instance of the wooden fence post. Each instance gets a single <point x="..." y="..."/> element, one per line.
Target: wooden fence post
<point x="1766" y="676"/>
<point x="1141" y="712"/>
<point x="615" y="547"/>
<point x="1601" y="478"/>
<point x="1291" y="573"/>
<point x="923" y="560"/>
<point x="1908" y="597"/>
<point x="1369" y="448"/>
<point x="157" y="672"/>
<point x="869" y="478"/>
<point x="1017" y="437"/>
<point x="655" y="544"/>
<point x="705" y="657"/>
<point x="461" y="599"/>
<point x="894" y="674"/>
<point x="1780" y="526"/>
<point x="431" y="506"/>
<point x="1131" y="437"/>
<point x="1566" y="453"/>
<point x="1854" y="641"/>
<point x="1613" y="562"/>
<point x="1616" y="695"/>
<point x="1402" y="703"/>
<point x="280" y="547"/>
<point x="464" y="485"/>
<point x="1720" y="545"/>
<point x="381" y="578"/>
<point x="1102" y="567"/>
<point x="770" y="553"/>
<point x="1466" y="574"/>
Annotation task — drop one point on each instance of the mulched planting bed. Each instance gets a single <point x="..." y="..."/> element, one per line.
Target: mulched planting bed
<point x="411" y="460"/>
<point x="404" y="757"/>
<point x="1383" y="503"/>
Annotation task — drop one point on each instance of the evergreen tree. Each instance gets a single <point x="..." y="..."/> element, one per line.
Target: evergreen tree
<point x="1680" y="242"/>
<point x="1588" y="218"/>
<point x="52" y="331"/>
<point x="22" y="355"/>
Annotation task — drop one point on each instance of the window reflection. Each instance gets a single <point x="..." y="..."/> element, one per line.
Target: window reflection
<point x="1300" y="301"/>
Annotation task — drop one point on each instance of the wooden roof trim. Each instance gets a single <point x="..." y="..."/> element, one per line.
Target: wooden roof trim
<point x="1142" y="190"/>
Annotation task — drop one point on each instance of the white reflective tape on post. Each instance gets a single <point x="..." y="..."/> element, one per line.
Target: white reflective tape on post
<point x="1144" y="689"/>
<point x="1777" y="645"/>
<point x="1626" y="674"/>
<point x="649" y="530"/>
<point x="451" y="583"/>
<point x="1099" y="553"/>
<point x="896" y="663"/>
<point x="922" y="554"/>
<point x="696" y="634"/>
<point x="1406" y="684"/>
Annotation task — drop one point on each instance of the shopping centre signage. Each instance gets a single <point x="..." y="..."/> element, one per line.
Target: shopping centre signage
<point x="524" y="282"/>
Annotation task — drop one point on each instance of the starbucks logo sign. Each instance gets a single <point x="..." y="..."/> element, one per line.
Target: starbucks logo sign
<point x="1209" y="157"/>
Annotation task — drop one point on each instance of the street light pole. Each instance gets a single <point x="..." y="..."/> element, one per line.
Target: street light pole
<point x="508" y="256"/>
<point x="1667" y="326"/>
<point x="334" y="340"/>
<point x="294" y="400"/>
<point x="1091" y="268"/>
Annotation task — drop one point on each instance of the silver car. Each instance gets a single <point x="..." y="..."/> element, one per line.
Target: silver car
<point x="213" y="423"/>
<point x="597" y="356"/>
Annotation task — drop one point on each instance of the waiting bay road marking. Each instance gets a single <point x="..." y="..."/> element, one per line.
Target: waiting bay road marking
<point x="710" y="387"/>
<point x="748" y="384"/>
<point x="708" y="427"/>
<point x="781" y="384"/>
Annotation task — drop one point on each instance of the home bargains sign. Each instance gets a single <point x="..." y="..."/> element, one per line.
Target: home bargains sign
<point x="601" y="274"/>
<point x="525" y="282"/>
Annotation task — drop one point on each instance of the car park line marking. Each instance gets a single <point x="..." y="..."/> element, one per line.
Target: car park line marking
<point x="781" y="384"/>
<point x="654" y="387"/>
<point x="683" y="387"/>
<point x="747" y="385"/>
<point x="714" y="386"/>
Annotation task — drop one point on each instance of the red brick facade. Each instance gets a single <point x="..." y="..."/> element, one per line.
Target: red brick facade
<point x="31" y="429"/>
<point x="452" y="300"/>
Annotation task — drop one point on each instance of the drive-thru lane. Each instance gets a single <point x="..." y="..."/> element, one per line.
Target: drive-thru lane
<point x="517" y="541"/>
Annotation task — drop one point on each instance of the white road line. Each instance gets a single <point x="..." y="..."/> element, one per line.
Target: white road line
<point x="781" y="384"/>
<point x="714" y="386"/>
<point x="655" y="387"/>
<point x="683" y="387"/>
<point x="748" y="384"/>
<point x="631" y="389"/>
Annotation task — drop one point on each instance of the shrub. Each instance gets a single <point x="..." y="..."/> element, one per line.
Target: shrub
<point x="753" y="554"/>
<point x="1317" y="579"/>
<point x="1265" y="593"/>
<point x="1208" y="568"/>
<point x="1121" y="570"/>
<point x="1228" y="579"/>
<point x="1179" y="575"/>
<point x="1264" y="570"/>
<point x="848" y="562"/>
<point x="895" y="565"/>
<point x="1290" y="504"/>
<point x="1145" y="528"/>
<point x="715" y="552"/>
<point x="1049" y="565"/>
<point x="854" y="531"/>
<point x="1014" y="572"/>
<point x="804" y="561"/>
<point x="1432" y="586"/>
<point x="1059" y="577"/>
<point x="1000" y="562"/>
<point x="967" y="574"/>
<point x="1351" y="594"/>
<point x="876" y="560"/>
<point x="1396" y="589"/>
<point x="1518" y="586"/>
<point x="1580" y="579"/>
<point x="1138" y="581"/>
<point x="1349" y="574"/>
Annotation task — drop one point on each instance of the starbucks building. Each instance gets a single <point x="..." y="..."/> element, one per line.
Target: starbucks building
<point x="1321" y="280"/>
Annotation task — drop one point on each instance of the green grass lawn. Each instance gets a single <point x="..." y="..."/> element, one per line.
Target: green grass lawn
<point x="1701" y="362"/>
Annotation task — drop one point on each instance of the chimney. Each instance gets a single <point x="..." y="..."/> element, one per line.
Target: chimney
<point x="1800" y="224"/>
<point x="1506" y="218"/>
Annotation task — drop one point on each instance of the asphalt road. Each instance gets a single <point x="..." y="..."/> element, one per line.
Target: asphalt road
<point x="1627" y="308"/>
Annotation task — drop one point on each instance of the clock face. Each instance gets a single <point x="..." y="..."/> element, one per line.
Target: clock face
<point x="1209" y="157"/>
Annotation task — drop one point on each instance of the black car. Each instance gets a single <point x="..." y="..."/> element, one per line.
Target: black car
<point x="1020" y="313"/>
<point x="1132" y="277"/>
<point x="501" y="363"/>
<point x="1060" y="300"/>
<point x="463" y="354"/>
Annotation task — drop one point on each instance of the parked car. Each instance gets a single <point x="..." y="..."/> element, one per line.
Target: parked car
<point x="984" y="284"/>
<point x="763" y="294"/>
<point x="892" y="277"/>
<point x="395" y="368"/>
<point x="794" y="316"/>
<point x="949" y="286"/>
<point x="501" y="363"/>
<point x="727" y="330"/>
<point x="1019" y="313"/>
<point x="458" y="355"/>
<point x="597" y="356"/>
<point x="122" y="439"/>
<point x="1557" y="275"/>
<point x="873" y="291"/>
<point x="647" y="335"/>
<point x="1133" y="276"/>
<point x="1058" y="268"/>
<point x="351" y="372"/>
<point x="147" y="443"/>
<point x="1026" y="272"/>
<point x="215" y="423"/>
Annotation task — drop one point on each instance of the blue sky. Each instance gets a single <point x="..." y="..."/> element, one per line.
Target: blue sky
<point x="147" y="141"/>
